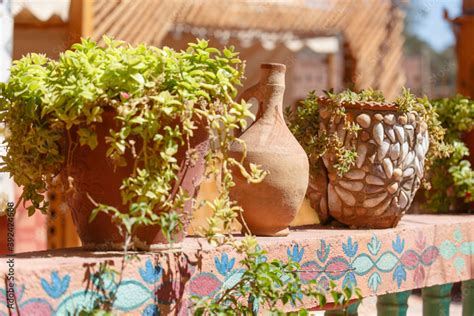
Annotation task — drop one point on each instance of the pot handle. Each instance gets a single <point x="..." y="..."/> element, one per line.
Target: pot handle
<point x="252" y="92"/>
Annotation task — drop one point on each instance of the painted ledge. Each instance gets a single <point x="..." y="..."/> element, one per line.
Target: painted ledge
<point x="424" y="250"/>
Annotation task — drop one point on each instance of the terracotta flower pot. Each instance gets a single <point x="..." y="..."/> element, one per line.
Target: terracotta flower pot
<point x="391" y="149"/>
<point x="270" y="206"/>
<point x="93" y="174"/>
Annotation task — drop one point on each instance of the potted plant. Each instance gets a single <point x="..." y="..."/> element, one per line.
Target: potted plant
<point x="451" y="178"/>
<point x="374" y="151"/>
<point x="128" y="132"/>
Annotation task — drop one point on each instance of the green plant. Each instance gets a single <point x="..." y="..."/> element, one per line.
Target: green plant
<point x="268" y="285"/>
<point x="452" y="177"/>
<point x="101" y="280"/>
<point x="3" y="195"/>
<point x="148" y="89"/>
<point x="304" y="124"/>
<point x="104" y="284"/>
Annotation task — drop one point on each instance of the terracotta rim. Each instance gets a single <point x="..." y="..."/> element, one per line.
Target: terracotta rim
<point x="275" y="66"/>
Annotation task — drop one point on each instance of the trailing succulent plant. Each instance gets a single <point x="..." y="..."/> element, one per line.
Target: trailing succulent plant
<point x="147" y="89"/>
<point x="304" y="123"/>
<point x="452" y="177"/>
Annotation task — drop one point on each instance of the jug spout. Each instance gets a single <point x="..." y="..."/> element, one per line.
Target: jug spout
<point x="272" y="74"/>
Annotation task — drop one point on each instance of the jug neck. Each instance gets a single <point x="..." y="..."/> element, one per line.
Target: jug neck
<point x="273" y="74"/>
<point x="272" y="79"/>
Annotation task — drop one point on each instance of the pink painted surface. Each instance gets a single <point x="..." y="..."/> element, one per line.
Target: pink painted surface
<point x="424" y="250"/>
<point x="30" y="231"/>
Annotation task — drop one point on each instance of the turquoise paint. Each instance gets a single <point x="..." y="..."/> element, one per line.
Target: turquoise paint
<point x="350" y="248"/>
<point x="459" y="264"/>
<point x="402" y="300"/>
<point x="323" y="252"/>
<point x="76" y="302"/>
<point x="385" y="263"/>
<point x="362" y="264"/>
<point x="448" y="249"/>
<point x="436" y="300"/>
<point x="131" y="294"/>
<point x="374" y="245"/>
<point x="458" y="235"/>
<point x="374" y="281"/>
<point x="467" y="248"/>
<point x="233" y="278"/>
<point x="446" y="291"/>
<point x="352" y="309"/>
<point x="393" y="304"/>
<point x="398" y="244"/>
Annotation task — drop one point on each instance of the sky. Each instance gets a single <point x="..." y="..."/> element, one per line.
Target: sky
<point x="432" y="27"/>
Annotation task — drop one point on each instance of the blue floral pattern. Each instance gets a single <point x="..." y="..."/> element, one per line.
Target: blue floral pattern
<point x="57" y="287"/>
<point x="224" y="265"/>
<point x="151" y="274"/>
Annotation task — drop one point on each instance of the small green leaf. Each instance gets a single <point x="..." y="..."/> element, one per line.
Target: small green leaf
<point x="87" y="137"/>
<point x="138" y="78"/>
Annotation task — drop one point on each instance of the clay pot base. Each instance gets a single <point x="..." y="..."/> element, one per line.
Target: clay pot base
<point x="161" y="247"/>
<point x="103" y="247"/>
<point x="384" y="222"/>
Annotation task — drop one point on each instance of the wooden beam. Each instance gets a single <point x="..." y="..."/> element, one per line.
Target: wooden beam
<point x="80" y="20"/>
<point x="331" y="71"/>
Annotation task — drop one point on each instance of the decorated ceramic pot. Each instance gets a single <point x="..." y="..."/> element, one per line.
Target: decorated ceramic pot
<point x="391" y="148"/>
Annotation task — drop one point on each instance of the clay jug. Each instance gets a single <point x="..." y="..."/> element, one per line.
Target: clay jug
<point x="270" y="206"/>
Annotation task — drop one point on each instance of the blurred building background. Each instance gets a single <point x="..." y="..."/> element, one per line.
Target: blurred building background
<point x="324" y="43"/>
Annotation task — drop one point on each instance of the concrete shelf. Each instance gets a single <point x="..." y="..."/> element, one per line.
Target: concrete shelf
<point x="423" y="251"/>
